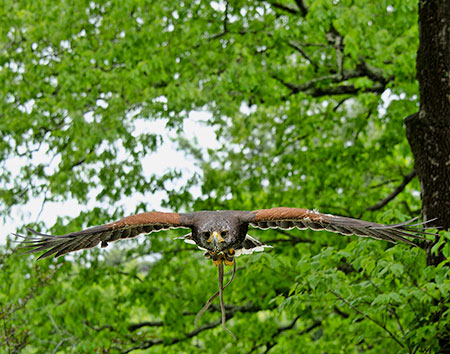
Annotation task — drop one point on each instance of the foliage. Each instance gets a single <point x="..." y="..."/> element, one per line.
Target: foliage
<point x="307" y="100"/>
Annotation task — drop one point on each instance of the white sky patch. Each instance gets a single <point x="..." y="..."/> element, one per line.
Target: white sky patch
<point x="218" y="6"/>
<point x="53" y="81"/>
<point x="89" y="116"/>
<point x="65" y="44"/>
<point x="246" y="109"/>
<point x="348" y="143"/>
<point x="16" y="68"/>
<point x="102" y="103"/>
<point x="27" y="107"/>
<point x="166" y="158"/>
<point x="387" y="97"/>
<point x="415" y="193"/>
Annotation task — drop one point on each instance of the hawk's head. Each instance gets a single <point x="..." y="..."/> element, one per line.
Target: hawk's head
<point x="219" y="233"/>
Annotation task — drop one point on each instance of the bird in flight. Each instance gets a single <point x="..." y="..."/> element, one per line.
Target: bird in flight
<point x="221" y="234"/>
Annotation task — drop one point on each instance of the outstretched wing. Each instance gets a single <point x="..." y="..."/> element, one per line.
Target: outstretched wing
<point x="289" y="218"/>
<point x="249" y="246"/>
<point x="128" y="227"/>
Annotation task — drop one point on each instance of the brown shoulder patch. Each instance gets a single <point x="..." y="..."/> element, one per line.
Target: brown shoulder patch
<point x="153" y="217"/>
<point x="283" y="213"/>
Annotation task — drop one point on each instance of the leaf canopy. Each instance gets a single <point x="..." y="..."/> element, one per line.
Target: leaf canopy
<point x="307" y="99"/>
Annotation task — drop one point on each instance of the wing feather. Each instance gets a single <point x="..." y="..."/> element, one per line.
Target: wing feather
<point x="288" y="218"/>
<point x="128" y="227"/>
<point x="249" y="246"/>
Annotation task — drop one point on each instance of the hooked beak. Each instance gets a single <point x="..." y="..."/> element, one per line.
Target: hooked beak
<point x="215" y="238"/>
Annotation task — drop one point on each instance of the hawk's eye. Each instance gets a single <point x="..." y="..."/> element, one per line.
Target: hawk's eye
<point x="207" y="234"/>
<point x="224" y="233"/>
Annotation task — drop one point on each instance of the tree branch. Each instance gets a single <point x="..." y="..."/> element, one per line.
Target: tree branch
<point x="346" y="90"/>
<point x="280" y="330"/>
<point x="313" y="89"/>
<point x="271" y="342"/>
<point x="408" y="178"/>
<point x="136" y="326"/>
<point x="283" y="7"/>
<point x="300" y="10"/>
<point x="340" y="312"/>
<point x="225" y="24"/>
<point x="305" y="55"/>
<point x="231" y="310"/>
<point x="302" y="7"/>
<point x="373" y="73"/>
<point x="382" y="326"/>
<point x="150" y="343"/>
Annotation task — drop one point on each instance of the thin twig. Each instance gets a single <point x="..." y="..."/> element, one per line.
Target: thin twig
<point x="42" y="207"/>
<point x="408" y="178"/>
<point x="54" y="322"/>
<point x="58" y="345"/>
<point x="225" y="24"/>
<point x="128" y="274"/>
<point x="369" y="318"/>
<point x="393" y="310"/>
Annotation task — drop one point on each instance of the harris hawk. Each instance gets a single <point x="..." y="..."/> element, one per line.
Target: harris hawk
<point x="221" y="234"/>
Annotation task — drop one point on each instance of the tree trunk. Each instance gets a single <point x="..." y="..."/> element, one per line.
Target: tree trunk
<point x="428" y="131"/>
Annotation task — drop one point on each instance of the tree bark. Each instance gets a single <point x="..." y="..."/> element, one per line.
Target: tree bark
<point x="428" y="131"/>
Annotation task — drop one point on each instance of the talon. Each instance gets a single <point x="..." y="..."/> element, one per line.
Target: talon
<point x="231" y="251"/>
<point x="217" y="262"/>
<point x="228" y="263"/>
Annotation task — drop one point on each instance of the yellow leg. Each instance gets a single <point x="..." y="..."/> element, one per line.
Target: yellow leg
<point x="228" y="263"/>
<point x="218" y="262"/>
